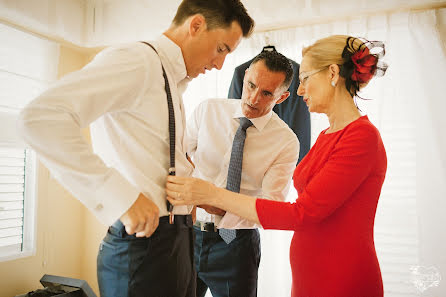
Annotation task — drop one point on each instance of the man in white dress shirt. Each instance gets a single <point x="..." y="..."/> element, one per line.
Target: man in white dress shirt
<point x="122" y="93"/>
<point x="270" y="154"/>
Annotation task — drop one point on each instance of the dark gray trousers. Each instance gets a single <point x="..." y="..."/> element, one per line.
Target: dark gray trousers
<point x="158" y="266"/>
<point x="228" y="270"/>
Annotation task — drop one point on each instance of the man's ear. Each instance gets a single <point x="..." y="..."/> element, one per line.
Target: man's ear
<point x="197" y="24"/>
<point x="283" y="97"/>
<point x="244" y="77"/>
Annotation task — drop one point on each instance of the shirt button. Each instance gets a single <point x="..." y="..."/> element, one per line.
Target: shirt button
<point x="99" y="207"/>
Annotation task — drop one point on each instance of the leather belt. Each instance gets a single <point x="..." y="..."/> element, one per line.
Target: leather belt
<point x="206" y="226"/>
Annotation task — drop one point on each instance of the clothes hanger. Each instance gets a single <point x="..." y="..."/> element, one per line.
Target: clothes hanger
<point x="268" y="47"/>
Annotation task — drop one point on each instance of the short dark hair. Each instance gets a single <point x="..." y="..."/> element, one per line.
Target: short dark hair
<point x="217" y="13"/>
<point x="276" y="62"/>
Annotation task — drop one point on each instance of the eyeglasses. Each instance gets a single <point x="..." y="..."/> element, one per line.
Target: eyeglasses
<point x="303" y="77"/>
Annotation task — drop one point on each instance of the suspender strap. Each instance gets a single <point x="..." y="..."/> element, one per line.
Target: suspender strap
<point x="171" y="123"/>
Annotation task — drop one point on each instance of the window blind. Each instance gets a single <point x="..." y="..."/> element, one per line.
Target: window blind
<point x="27" y="65"/>
<point x="12" y="187"/>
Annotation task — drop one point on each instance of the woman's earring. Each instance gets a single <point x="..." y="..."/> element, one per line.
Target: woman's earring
<point x="333" y="83"/>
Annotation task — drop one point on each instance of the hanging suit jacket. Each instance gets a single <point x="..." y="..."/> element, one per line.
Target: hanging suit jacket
<point x="292" y="111"/>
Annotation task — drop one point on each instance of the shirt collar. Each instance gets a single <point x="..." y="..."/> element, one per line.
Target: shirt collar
<point x="259" y="122"/>
<point x="172" y="53"/>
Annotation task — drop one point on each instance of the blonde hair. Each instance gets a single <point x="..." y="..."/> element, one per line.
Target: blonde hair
<point x="328" y="50"/>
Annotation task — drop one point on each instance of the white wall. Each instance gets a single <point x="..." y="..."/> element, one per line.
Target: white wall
<point x="59" y="19"/>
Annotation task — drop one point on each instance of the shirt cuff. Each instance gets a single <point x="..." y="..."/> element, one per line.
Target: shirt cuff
<point x="232" y="221"/>
<point x="114" y="198"/>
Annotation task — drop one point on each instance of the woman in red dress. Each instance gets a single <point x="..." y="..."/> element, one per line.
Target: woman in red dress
<point x="339" y="181"/>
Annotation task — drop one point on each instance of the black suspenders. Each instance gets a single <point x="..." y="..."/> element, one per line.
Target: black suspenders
<point x="171" y="130"/>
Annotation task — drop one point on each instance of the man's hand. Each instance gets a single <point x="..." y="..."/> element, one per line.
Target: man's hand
<point x="213" y="210"/>
<point x="141" y="218"/>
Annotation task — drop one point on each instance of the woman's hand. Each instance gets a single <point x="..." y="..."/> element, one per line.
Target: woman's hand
<point x="194" y="191"/>
<point x="189" y="191"/>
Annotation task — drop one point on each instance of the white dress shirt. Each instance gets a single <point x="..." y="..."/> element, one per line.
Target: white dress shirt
<point x="270" y="154"/>
<point x="122" y="93"/>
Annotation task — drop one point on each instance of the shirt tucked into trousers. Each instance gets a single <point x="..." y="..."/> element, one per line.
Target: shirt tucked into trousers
<point x="228" y="265"/>
<point x="121" y="94"/>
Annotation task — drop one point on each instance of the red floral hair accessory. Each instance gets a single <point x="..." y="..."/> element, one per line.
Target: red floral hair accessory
<point x="361" y="64"/>
<point x="365" y="65"/>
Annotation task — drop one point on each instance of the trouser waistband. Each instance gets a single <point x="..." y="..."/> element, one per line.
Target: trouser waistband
<point x="211" y="227"/>
<point x="179" y="220"/>
<point x="206" y="226"/>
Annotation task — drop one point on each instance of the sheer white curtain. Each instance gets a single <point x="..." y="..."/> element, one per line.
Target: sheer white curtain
<point x="408" y="107"/>
<point x="429" y="61"/>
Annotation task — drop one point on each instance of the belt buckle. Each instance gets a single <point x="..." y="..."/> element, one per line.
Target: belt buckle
<point x="203" y="226"/>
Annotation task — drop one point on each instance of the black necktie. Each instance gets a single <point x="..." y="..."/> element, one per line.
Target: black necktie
<point x="235" y="170"/>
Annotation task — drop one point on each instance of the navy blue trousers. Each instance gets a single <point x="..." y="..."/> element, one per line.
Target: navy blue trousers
<point x="228" y="270"/>
<point x="158" y="266"/>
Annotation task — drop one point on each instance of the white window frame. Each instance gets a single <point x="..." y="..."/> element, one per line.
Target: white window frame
<point x="30" y="205"/>
<point x="40" y="69"/>
<point x="28" y="245"/>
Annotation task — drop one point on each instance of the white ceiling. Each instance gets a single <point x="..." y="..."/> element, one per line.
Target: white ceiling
<point x="130" y="19"/>
<point x="90" y="23"/>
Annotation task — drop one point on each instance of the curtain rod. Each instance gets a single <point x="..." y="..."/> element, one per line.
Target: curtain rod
<point x="325" y="20"/>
